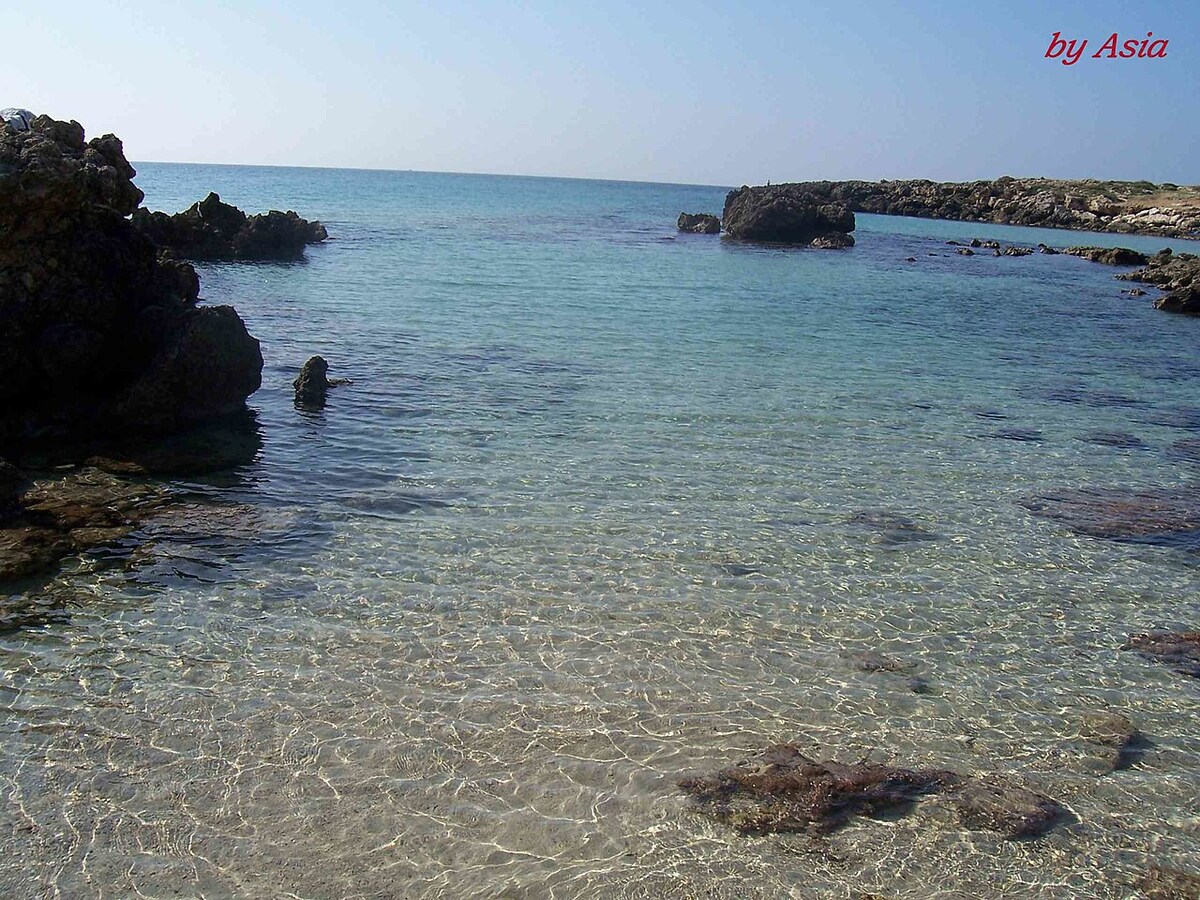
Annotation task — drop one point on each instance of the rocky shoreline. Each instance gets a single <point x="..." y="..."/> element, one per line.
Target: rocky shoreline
<point x="114" y="373"/>
<point x="1141" y="207"/>
<point x="1118" y="207"/>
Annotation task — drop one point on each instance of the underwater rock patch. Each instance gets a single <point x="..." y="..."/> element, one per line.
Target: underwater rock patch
<point x="1117" y="737"/>
<point x="1163" y="517"/>
<point x="890" y="528"/>
<point x="780" y="790"/>
<point x="1178" y="649"/>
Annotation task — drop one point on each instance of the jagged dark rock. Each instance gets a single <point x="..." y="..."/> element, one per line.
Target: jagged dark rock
<point x="786" y="214"/>
<point x="1110" y="256"/>
<point x="213" y="230"/>
<point x="782" y="790"/>
<point x="101" y="332"/>
<point x="312" y="384"/>
<point x="699" y="223"/>
<point x="1178" y="649"/>
<point x="1176" y="273"/>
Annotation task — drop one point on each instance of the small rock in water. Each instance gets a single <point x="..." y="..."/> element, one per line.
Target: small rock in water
<point x="1024" y="435"/>
<point x="966" y="251"/>
<point x="1178" y="649"/>
<point x="311" y="384"/>
<point x="1121" y="440"/>
<point x="738" y="570"/>
<point x="891" y="528"/>
<point x="699" y="223"/>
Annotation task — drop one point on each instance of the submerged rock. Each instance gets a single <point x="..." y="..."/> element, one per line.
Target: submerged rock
<point x="782" y="790"/>
<point x="1178" y="649"/>
<point x="786" y="214"/>
<point x="1165" y="517"/>
<point x="101" y="333"/>
<point x="1162" y="883"/>
<point x="699" y="223"/>
<point x="1121" y="742"/>
<point x="1014" y="812"/>
<point x="211" y="229"/>
<point x="890" y="528"/>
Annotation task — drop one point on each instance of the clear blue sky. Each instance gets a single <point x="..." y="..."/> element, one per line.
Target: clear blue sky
<point x="712" y="93"/>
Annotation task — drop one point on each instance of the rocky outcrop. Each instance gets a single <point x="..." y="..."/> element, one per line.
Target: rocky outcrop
<point x="782" y="790"/>
<point x="101" y="332"/>
<point x="1110" y="256"/>
<point x="312" y="384"/>
<point x="699" y="223"/>
<point x="1138" y="207"/>
<point x="1176" y="273"/>
<point x="213" y="230"/>
<point x="787" y="214"/>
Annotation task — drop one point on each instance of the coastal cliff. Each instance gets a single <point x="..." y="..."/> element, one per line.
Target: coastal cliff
<point x="1123" y="207"/>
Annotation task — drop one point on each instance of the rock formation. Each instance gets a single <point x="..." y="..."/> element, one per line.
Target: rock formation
<point x="787" y="214"/>
<point x="101" y="332"/>
<point x="213" y="230"/>
<point x="1176" y="273"/>
<point x="1114" y="206"/>
<point x="699" y="223"/>
<point x="312" y="384"/>
<point x="1110" y="256"/>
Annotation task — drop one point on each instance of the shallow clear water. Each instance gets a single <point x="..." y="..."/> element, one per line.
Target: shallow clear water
<point x="580" y="526"/>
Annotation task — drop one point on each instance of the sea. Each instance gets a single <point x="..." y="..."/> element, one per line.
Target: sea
<point x="605" y="506"/>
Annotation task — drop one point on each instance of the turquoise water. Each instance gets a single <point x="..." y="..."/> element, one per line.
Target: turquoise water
<point x="583" y="523"/>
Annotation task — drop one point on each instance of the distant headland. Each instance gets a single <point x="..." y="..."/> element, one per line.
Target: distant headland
<point x="1121" y="207"/>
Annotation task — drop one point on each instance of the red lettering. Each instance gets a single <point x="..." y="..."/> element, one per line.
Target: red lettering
<point x="1110" y="45"/>
<point x="1160" y="52"/>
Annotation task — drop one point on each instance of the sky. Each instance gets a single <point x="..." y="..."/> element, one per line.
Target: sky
<point x="691" y="92"/>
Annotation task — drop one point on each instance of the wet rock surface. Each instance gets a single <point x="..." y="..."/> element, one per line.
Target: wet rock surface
<point x="787" y="214"/>
<point x="699" y="223"/>
<point x="1178" y="649"/>
<point x="781" y="790"/>
<point x="1164" y="517"/>
<point x="213" y="230"/>
<point x="101" y="332"/>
